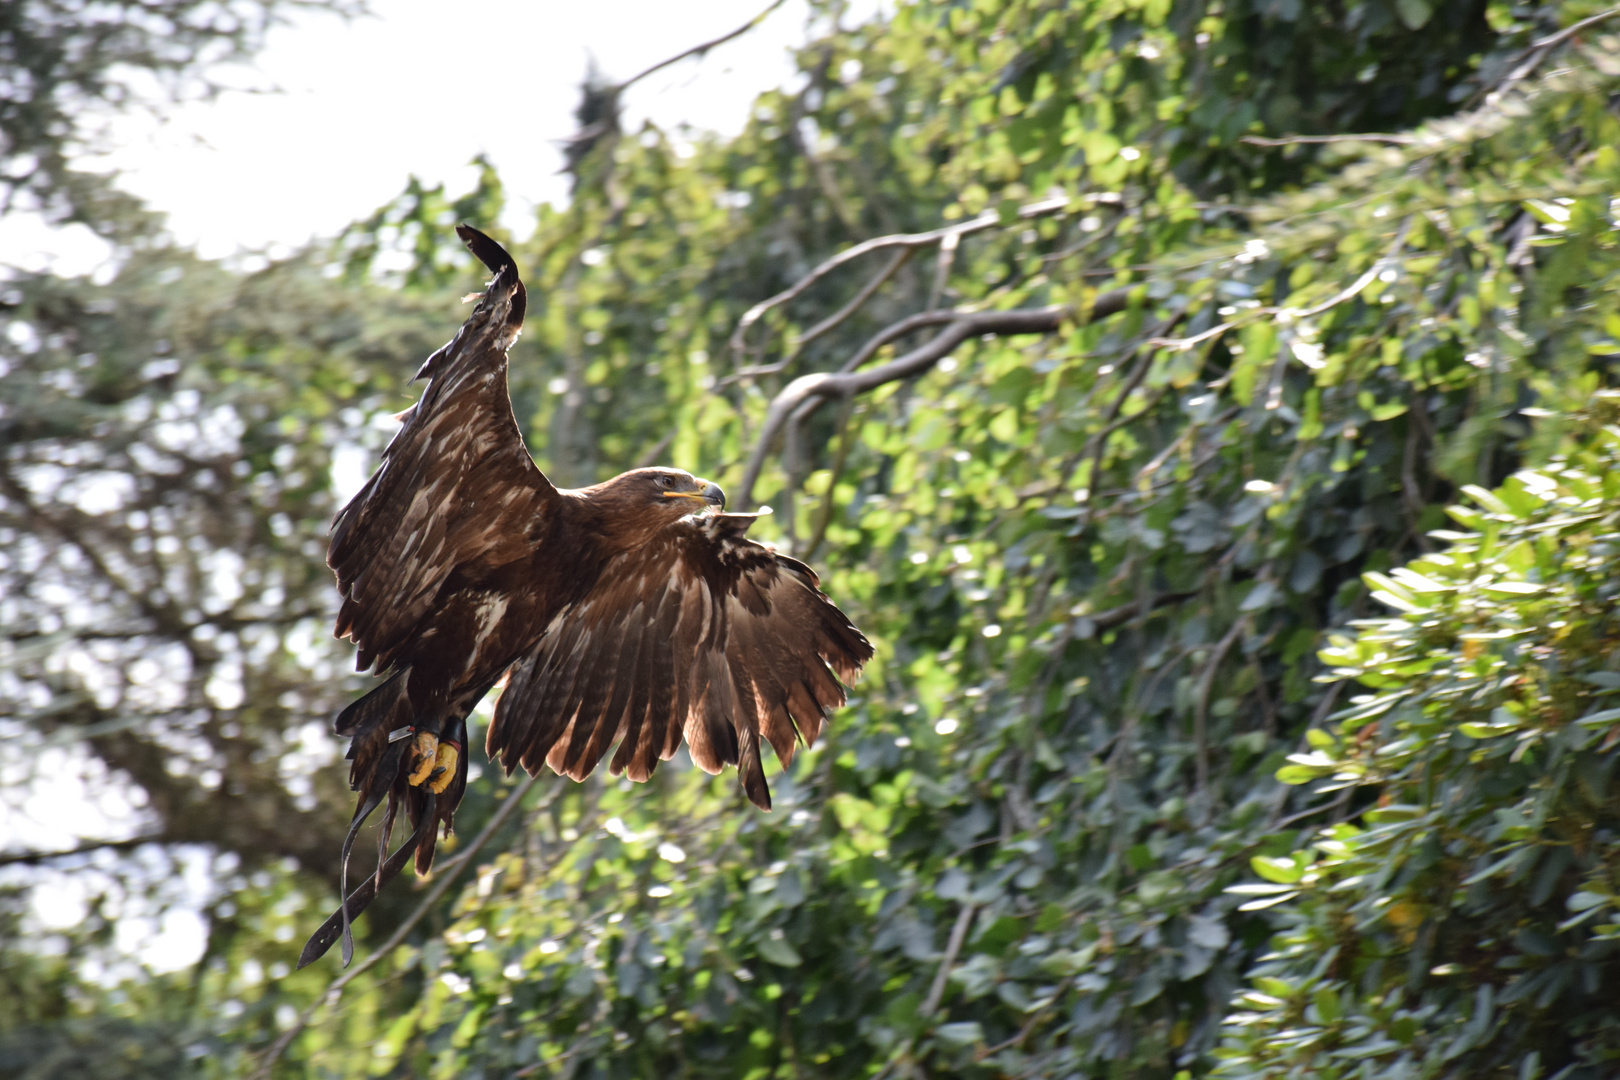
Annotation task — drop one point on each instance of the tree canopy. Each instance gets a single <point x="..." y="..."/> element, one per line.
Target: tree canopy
<point x="1205" y="407"/>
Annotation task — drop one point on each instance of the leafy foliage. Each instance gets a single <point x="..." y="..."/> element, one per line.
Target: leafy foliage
<point x="1466" y="923"/>
<point x="1098" y="563"/>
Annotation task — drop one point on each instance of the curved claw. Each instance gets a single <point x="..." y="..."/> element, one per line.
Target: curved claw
<point x="444" y="761"/>
<point x="427" y="749"/>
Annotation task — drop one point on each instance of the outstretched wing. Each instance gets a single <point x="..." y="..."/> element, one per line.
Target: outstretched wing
<point x="456" y="487"/>
<point x="700" y="633"/>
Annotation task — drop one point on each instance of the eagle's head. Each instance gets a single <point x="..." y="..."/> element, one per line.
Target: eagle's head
<point x="641" y="502"/>
<point x="679" y="492"/>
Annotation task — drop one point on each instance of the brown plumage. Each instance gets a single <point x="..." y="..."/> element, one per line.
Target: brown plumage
<point x="633" y="613"/>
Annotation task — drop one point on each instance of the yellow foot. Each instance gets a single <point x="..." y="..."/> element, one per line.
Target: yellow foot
<point x="427" y="746"/>
<point x="445" y="768"/>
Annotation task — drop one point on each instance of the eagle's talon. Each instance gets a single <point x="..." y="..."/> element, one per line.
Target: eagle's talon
<point x="444" y="760"/>
<point x="427" y="748"/>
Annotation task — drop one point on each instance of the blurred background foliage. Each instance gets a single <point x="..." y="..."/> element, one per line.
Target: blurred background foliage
<point x="1245" y="643"/>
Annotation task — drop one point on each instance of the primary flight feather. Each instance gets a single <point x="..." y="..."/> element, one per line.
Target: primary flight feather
<point x="633" y="613"/>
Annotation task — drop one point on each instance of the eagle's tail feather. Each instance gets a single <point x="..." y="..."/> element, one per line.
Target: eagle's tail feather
<point x="377" y="749"/>
<point x="356" y="902"/>
<point x="369" y="800"/>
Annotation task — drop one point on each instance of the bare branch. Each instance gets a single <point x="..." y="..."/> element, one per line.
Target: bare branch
<point x="739" y="336"/>
<point x="34" y="858"/>
<point x="700" y="50"/>
<point x="830" y="323"/>
<point x="962" y="325"/>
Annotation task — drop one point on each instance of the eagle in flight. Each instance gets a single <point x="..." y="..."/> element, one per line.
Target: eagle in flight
<point x="633" y="612"/>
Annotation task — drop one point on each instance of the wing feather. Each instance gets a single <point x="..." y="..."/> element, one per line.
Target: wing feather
<point x="699" y="634"/>
<point x="456" y="489"/>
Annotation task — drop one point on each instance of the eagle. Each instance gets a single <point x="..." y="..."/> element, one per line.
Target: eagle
<point x="632" y="613"/>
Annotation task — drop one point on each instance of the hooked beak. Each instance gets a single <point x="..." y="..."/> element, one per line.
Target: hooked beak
<point x="709" y="493"/>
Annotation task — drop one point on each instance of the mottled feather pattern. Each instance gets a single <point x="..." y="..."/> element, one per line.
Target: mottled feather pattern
<point x="456" y="488"/>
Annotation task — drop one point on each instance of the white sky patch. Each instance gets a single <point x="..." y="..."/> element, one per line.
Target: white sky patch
<point x="420" y="88"/>
<point x="351" y="468"/>
<point x="60" y="798"/>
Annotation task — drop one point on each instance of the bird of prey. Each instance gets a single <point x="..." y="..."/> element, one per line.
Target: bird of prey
<point x="633" y="612"/>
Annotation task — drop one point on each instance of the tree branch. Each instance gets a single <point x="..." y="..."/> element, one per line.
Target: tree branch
<point x="832" y="322"/>
<point x="953" y="949"/>
<point x="34" y="858"/>
<point x="699" y="50"/>
<point x="1119" y="616"/>
<point x="739" y="336"/>
<point x="960" y="325"/>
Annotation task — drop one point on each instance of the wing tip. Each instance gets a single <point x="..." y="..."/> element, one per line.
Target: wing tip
<point x="488" y="251"/>
<point x="500" y="262"/>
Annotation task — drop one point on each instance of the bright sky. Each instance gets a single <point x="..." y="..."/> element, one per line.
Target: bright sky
<point x="419" y="87"/>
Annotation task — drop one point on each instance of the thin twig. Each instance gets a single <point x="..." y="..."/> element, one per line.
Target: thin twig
<point x="1029" y="1025"/>
<point x="953" y="949"/>
<point x="655" y="452"/>
<point x="446" y="875"/>
<point x="845" y="439"/>
<point x="1537" y="52"/>
<point x="699" y="50"/>
<point x="942" y="268"/>
<point x="1348" y="293"/>
<point x="818" y="165"/>
<point x="831" y="322"/>
<point x="836" y="319"/>
<point x="894" y="331"/>
<point x="1113" y="421"/>
<point x="1119" y="616"/>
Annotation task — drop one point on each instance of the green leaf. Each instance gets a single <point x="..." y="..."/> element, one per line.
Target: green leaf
<point x="1414" y="13"/>
<point x="1603" y="716"/>
<point x="778" y="950"/>
<point x="1281" y="870"/>
<point x="1295" y="775"/>
<point x="1513" y="588"/>
<point x="962" y="1033"/>
<point x="1485" y="498"/>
